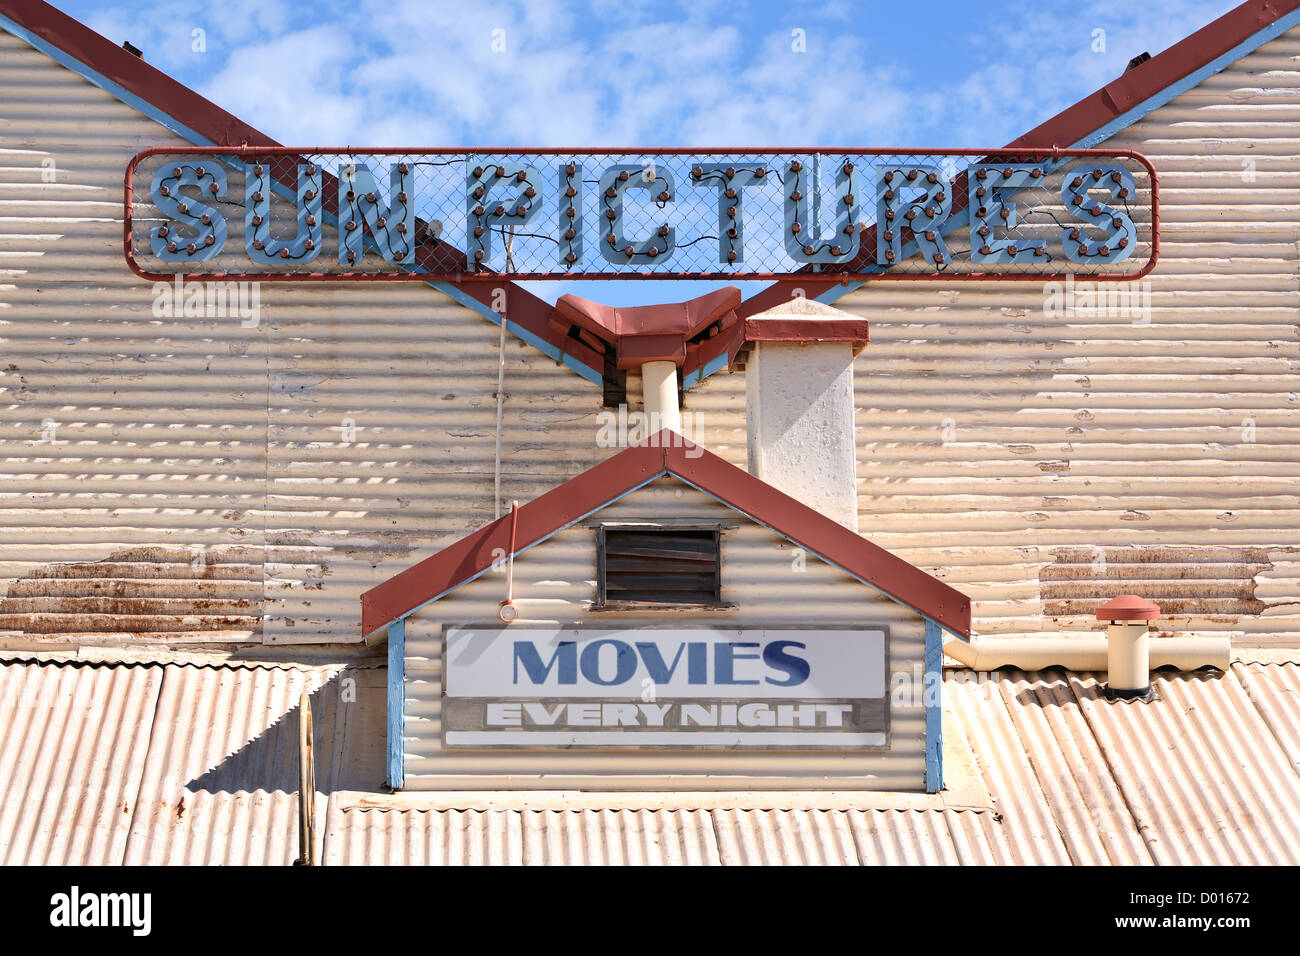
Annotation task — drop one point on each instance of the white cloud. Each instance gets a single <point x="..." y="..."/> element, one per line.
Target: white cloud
<point x="707" y="73"/>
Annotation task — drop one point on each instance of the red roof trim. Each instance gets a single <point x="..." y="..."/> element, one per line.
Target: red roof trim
<point x="132" y="73"/>
<point x="826" y="538"/>
<point x="796" y="329"/>
<point x="539" y="519"/>
<point x="647" y="333"/>
<point x="1158" y="73"/>
<point x="1093" y="112"/>
<point x="194" y="112"/>
<point x="666" y="453"/>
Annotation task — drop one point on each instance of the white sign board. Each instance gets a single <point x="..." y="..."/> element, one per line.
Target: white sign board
<point x="695" y="688"/>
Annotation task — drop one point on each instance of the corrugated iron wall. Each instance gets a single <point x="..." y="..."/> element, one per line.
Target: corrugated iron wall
<point x="353" y="430"/>
<point x="1042" y="464"/>
<point x="349" y="433"/>
<point x="768" y="579"/>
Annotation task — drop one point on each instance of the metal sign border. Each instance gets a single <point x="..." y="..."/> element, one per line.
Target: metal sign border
<point x="886" y="747"/>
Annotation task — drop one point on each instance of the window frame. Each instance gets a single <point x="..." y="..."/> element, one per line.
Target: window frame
<point x="602" y="602"/>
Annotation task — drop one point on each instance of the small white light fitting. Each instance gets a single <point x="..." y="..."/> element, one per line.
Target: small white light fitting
<point x="507" y="612"/>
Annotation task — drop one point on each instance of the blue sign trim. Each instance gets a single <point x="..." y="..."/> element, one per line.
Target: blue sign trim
<point x="396" y="702"/>
<point x="933" y="707"/>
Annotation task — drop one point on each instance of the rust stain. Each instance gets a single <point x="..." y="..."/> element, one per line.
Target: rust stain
<point x="148" y="592"/>
<point x="1186" y="581"/>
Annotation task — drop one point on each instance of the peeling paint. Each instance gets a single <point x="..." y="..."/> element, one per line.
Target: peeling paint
<point x="160" y="593"/>
<point x="1185" y="581"/>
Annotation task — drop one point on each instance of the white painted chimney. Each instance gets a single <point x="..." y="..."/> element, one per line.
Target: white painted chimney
<point x="798" y="360"/>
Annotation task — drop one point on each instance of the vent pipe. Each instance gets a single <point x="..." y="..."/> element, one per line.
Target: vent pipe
<point x="1128" y="664"/>
<point x="1084" y="653"/>
<point x="659" y="389"/>
<point x="1128" y="653"/>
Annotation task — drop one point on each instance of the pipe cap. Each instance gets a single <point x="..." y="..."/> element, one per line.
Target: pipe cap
<point x="1128" y="607"/>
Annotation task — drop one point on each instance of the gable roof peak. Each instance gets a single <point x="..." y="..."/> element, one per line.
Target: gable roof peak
<point x="664" y="453"/>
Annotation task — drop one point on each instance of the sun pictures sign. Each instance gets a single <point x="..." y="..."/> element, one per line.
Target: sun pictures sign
<point x="296" y="214"/>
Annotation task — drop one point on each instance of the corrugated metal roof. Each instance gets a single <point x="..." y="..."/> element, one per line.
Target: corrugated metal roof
<point x="182" y="763"/>
<point x="73" y="747"/>
<point x="1202" y="775"/>
<point x="173" y="763"/>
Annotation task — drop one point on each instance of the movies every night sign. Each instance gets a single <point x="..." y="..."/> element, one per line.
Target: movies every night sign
<point x="684" y="688"/>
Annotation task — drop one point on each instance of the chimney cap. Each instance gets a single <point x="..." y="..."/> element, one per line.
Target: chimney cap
<point x="801" y="320"/>
<point x="1128" y="607"/>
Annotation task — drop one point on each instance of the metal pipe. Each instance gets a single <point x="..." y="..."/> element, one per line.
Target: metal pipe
<point x="501" y="399"/>
<point x="507" y="610"/>
<point x="1128" y="665"/>
<point x="659" y="391"/>
<point x="306" y="785"/>
<point x="1085" y="653"/>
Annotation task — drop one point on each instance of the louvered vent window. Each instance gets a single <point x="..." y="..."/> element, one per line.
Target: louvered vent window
<point x="658" y="566"/>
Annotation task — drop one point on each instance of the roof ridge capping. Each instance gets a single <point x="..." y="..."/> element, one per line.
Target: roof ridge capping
<point x="665" y="453"/>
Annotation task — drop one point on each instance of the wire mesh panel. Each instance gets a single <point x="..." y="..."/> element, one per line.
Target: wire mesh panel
<point x="296" y="214"/>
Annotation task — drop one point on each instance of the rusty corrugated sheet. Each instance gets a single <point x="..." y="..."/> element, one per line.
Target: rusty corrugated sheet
<point x="1275" y="690"/>
<point x="1202" y="772"/>
<point x="1183" y="580"/>
<point x="220" y="786"/>
<point x="1024" y="828"/>
<point x="521" y="837"/>
<point x="141" y="594"/>
<point x="733" y="837"/>
<point x="1087" y="805"/>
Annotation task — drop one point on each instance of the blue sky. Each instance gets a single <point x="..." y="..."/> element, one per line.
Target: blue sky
<point x="645" y="74"/>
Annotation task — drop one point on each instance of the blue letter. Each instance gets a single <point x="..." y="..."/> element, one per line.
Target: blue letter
<point x="305" y="246"/>
<point x="624" y="662"/>
<point x="774" y="655"/>
<point x="209" y="225"/>
<point x="614" y="182"/>
<point x="482" y="213"/>
<point x="731" y="180"/>
<point x="988" y="212"/>
<point x="803" y="242"/>
<point x="570" y="213"/>
<point x="391" y="227"/>
<point x="724" y="659"/>
<point x="1120" y="235"/>
<point x="654" y="662"/>
<point x="697" y="663"/>
<point x="922" y="214"/>
<point x="566" y="654"/>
